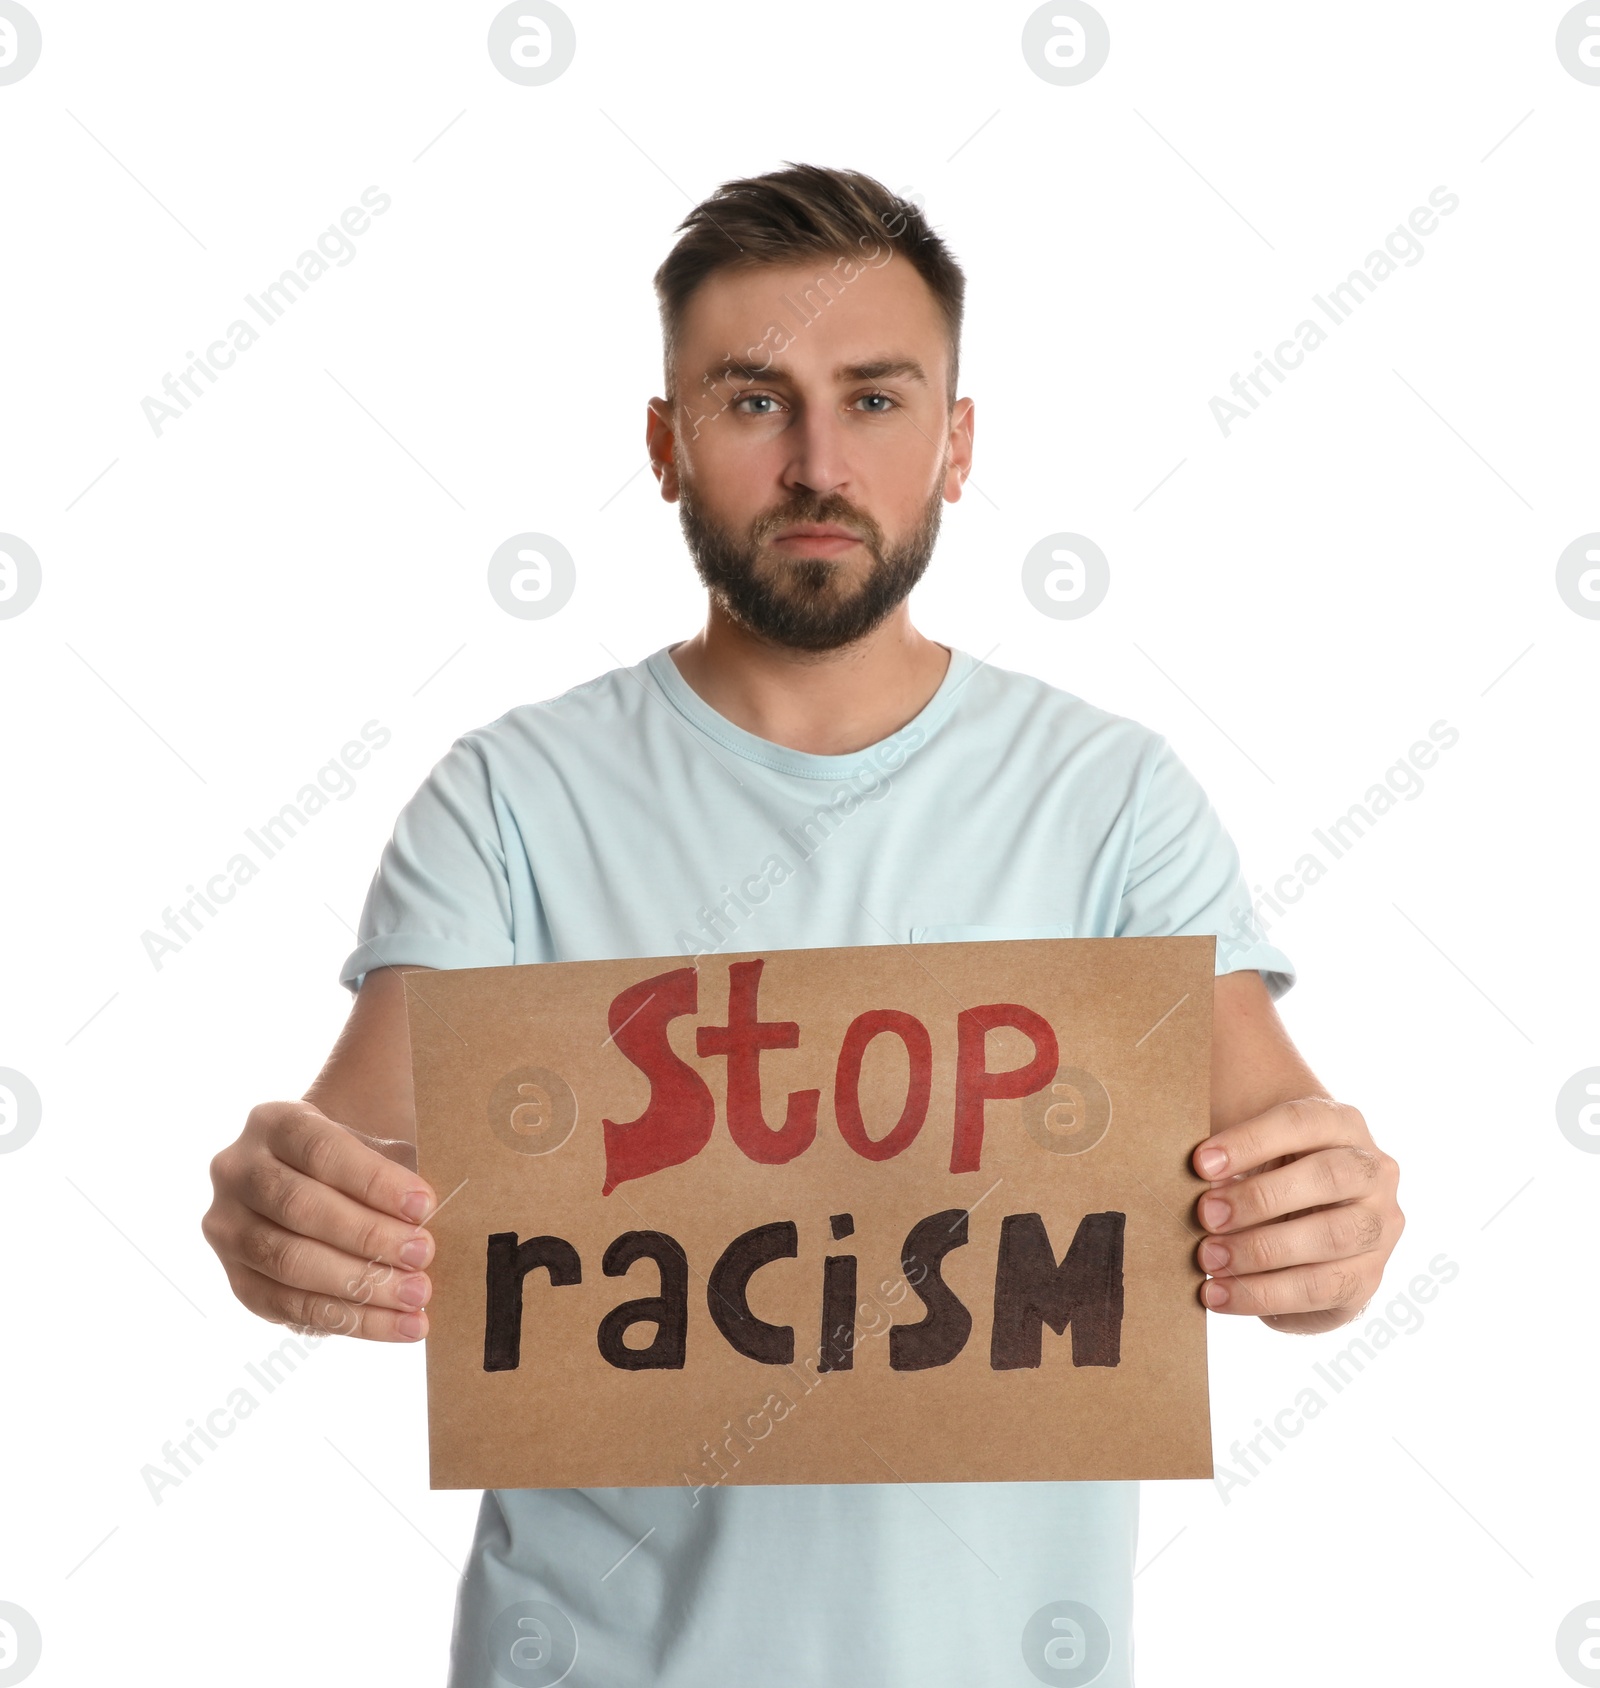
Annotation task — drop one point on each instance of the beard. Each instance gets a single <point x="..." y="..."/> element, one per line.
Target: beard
<point x="806" y="603"/>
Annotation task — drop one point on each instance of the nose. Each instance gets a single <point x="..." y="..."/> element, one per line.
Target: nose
<point x="818" y="460"/>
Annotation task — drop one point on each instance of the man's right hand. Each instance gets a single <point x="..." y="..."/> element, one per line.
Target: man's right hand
<point x="318" y="1229"/>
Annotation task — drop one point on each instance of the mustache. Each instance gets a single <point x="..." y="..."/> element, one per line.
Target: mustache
<point x="831" y="508"/>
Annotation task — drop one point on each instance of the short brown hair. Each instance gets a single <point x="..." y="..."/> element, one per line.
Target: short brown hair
<point x="802" y="211"/>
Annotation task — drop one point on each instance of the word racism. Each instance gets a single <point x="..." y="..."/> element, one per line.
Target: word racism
<point x="719" y="921"/>
<point x="754" y="1426"/>
<point x="274" y="302"/>
<point x="1340" y="305"/>
<point x="1401" y="1316"/>
<point x="334" y="779"/>
<point x="1402" y="780"/>
<point x="680" y="1116"/>
<point x="1031" y="1289"/>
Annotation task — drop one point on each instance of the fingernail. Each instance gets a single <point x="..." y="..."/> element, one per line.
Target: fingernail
<point x="1214" y="1211"/>
<point x="411" y="1326"/>
<point x="1213" y="1256"/>
<point x="414" y="1252"/>
<point x="415" y="1204"/>
<point x="1211" y="1161"/>
<point x="413" y="1291"/>
<point x="1216" y="1295"/>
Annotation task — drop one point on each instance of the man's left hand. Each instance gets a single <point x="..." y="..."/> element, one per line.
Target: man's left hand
<point x="1301" y="1217"/>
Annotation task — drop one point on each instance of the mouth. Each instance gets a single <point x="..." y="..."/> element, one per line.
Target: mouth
<point x="815" y="539"/>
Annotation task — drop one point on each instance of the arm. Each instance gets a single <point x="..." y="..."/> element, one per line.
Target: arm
<point x="1302" y="1215"/>
<point x="316" y="1209"/>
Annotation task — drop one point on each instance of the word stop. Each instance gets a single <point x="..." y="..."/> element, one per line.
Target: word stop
<point x="681" y="1114"/>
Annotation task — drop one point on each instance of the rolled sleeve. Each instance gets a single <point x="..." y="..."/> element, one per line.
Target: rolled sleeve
<point x="440" y="896"/>
<point x="1185" y="878"/>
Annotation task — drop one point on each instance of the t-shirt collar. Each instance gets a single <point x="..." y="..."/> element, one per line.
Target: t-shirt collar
<point x="694" y="708"/>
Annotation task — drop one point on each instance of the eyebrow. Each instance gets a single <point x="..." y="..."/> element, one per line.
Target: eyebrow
<point x="877" y="369"/>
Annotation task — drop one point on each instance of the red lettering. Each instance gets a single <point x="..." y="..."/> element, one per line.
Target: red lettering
<point x="742" y="1040"/>
<point x="975" y="1084"/>
<point x="678" y="1119"/>
<point x="680" y="1116"/>
<point x="847" y="1081"/>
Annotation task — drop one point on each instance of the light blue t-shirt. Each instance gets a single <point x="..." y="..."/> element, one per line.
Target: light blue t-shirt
<point x="628" y="818"/>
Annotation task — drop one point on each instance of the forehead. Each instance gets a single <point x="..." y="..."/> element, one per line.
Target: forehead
<point x="821" y="313"/>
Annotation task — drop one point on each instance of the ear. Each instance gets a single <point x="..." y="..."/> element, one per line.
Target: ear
<point x="659" y="437"/>
<point x="961" y="424"/>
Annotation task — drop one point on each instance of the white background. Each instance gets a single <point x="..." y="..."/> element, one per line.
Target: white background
<point x="1374" y="550"/>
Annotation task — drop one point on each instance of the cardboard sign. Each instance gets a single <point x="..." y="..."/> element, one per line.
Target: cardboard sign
<point x="900" y="1212"/>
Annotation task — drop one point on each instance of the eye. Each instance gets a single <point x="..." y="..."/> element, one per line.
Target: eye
<point x="877" y="404"/>
<point x="755" y="399"/>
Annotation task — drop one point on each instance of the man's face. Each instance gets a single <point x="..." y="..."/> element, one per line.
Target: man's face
<point x="810" y="442"/>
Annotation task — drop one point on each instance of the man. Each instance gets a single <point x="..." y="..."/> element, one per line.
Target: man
<point x="809" y="433"/>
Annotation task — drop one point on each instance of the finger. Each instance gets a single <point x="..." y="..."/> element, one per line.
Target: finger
<point x="1289" y="1128"/>
<point x="1334" y="1233"/>
<point x="326" y="1314"/>
<point x="1329" y="1175"/>
<point x="1329" y="1285"/>
<point x="391" y="1148"/>
<point x="311" y="1209"/>
<point x="315" y="1145"/>
<point x="303" y="1263"/>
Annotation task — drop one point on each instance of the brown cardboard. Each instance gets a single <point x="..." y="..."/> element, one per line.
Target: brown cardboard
<point x="1135" y="1013"/>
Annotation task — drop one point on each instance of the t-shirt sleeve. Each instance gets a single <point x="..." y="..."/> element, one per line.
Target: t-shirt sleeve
<point x="1184" y="877"/>
<point x="440" y="896"/>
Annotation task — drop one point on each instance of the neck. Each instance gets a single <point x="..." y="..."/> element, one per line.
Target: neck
<point x="828" y="703"/>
